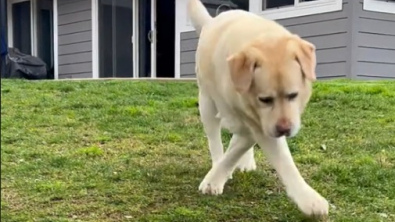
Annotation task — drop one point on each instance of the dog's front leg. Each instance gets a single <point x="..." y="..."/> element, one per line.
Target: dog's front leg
<point x="216" y="178"/>
<point x="308" y="200"/>
<point x="211" y="126"/>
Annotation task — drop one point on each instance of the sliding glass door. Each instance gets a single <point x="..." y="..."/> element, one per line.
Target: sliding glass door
<point x="116" y="38"/>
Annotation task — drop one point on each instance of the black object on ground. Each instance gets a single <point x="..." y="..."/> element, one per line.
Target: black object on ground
<point x="23" y="66"/>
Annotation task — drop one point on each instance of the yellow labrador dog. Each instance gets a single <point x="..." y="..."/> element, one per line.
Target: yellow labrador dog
<point x="254" y="79"/>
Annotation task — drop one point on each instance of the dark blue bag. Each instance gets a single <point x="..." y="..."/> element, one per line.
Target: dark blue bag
<point x="3" y="44"/>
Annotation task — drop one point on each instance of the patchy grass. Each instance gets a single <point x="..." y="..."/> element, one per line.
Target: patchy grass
<point x="135" y="151"/>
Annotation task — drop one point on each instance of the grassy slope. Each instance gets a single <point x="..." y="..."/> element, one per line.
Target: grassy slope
<point x="135" y="151"/>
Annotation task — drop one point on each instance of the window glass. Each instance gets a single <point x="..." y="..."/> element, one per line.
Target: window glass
<point x="269" y="4"/>
<point x="22" y="27"/>
<point x="115" y="34"/>
<point x="215" y="7"/>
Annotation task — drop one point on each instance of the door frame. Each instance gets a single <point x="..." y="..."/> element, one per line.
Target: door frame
<point x="154" y="39"/>
<point x="95" y="40"/>
<point x="55" y="40"/>
<point x="135" y="39"/>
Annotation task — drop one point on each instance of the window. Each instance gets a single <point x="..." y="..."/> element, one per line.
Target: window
<point x="281" y="3"/>
<point x="30" y="28"/>
<point x="21" y="17"/>
<point x="214" y="7"/>
<point x="385" y="6"/>
<point x="281" y="9"/>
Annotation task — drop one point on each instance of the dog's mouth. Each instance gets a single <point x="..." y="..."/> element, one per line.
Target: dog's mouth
<point x="278" y="134"/>
<point x="287" y="134"/>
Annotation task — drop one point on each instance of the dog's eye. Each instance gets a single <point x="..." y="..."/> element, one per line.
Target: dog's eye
<point x="267" y="100"/>
<point x="292" y="96"/>
<point x="255" y="65"/>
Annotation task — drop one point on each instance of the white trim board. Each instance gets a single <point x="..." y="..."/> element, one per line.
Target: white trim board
<point x="55" y="39"/>
<point x="181" y="26"/>
<point x="177" y="54"/>
<point x="95" y="39"/>
<point x="10" y="29"/>
<point x="33" y="29"/>
<point x="153" y="34"/>
<point x="379" y="6"/>
<point x="135" y="38"/>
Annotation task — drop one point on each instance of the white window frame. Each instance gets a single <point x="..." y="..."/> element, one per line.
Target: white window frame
<point x="299" y="9"/>
<point x="379" y="6"/>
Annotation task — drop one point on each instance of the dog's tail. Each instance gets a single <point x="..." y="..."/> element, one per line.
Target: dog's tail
<point x="198" y="14"/>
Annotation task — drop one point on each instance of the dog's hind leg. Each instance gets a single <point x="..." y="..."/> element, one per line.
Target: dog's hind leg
<point x="211" y="125"/>
<point x="247" y="161"/>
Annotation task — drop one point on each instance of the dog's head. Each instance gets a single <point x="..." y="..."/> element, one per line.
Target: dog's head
<point x="274" y="77"/>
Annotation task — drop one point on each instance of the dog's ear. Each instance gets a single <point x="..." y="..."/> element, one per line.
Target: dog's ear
<point x="306" y="57"/>
<point x="241" y="67"/>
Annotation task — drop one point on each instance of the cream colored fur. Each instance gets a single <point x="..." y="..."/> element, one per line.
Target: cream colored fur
<point x="254" y="79"/>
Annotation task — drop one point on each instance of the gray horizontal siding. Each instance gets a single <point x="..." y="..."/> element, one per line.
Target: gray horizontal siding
<point x="188" y="47"/>
<point x="328" y="31"/>
<point x="75" y="38"/>
<point x="375" y="44"/>
<point x="76" y="27"/>
<point x="77" y="76"/>
<point x="85" y="36"/>
<point x="76" y="68"/>
<point x="71" y="7"/>
<point x="84" y="57"/>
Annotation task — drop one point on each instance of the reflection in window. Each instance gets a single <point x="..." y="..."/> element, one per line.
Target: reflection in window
<point x="269" y="4"/>
<point x="215" y="7"/>
<point x="115" y="34"/>
<point x="22" y="27"/>
<point x="44" y="27"/>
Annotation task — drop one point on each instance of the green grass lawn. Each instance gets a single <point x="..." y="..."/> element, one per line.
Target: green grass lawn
<point x="136" y="151"/>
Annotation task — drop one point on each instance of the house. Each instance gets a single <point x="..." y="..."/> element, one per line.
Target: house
<point x="154" y="38"/>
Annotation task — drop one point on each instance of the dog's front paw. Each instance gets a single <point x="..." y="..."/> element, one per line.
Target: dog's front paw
<point x="213" y="183"/>
<point x="210" y="187"/>
<point x="312" y="203"/>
